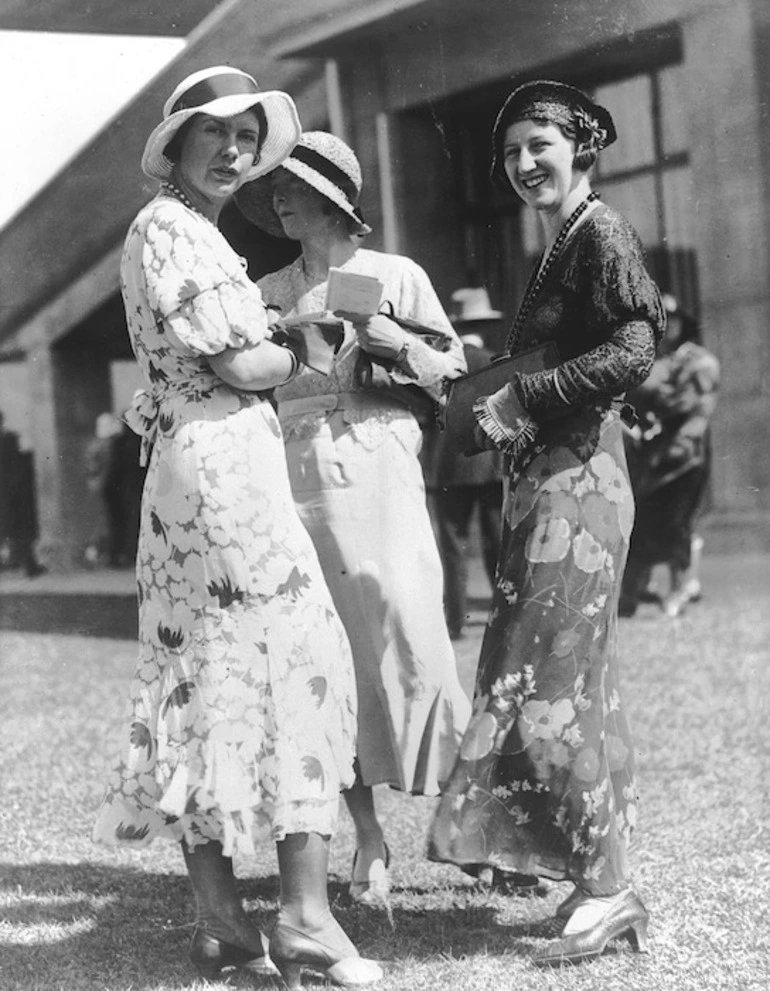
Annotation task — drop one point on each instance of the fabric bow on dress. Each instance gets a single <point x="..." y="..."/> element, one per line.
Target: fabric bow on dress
<point x="142" y="418"/>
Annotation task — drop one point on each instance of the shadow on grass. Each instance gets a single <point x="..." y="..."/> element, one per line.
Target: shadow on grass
<point x="113" y="616"/>
<point x="87" y="926"/>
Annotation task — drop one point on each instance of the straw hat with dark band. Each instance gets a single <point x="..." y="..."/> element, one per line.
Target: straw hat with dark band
<point x="326" y="164"/>
<point x="223" y="91"/>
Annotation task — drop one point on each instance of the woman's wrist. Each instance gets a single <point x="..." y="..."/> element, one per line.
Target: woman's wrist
<point x="400" y="357"/>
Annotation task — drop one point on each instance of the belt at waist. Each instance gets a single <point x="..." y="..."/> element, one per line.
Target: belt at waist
<point x="332" y="401"/>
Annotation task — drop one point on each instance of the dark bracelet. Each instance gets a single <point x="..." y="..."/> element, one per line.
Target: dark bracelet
<point x="294" y="365"/>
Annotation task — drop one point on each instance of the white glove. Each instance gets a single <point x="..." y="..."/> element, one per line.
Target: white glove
<point x="378" y="335"/>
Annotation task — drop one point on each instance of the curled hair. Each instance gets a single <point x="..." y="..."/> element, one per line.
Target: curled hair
<point x="586" y="147"/>
<point x="173" y="150"/>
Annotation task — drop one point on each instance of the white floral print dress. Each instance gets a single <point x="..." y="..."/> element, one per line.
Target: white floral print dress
<point x="242" y="709"/>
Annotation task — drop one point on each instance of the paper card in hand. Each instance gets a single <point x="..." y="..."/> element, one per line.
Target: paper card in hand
<point x="349" y="292"/>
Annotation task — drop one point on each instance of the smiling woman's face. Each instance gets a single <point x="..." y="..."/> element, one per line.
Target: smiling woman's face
<point x="538" y="161"/>
<point x="217" y="154"/>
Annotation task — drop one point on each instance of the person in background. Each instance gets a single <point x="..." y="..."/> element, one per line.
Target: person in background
<point x="25" y="519"/>
<point x="9" y="460"/>
<point x="98" y="455"/>
<point x="242" y="710"/>
<point x="544" y="783"/>
<point x="358" y="485"/>
<point x="18" y="505"/>
<point x="461" y="487"/>
<point x="123" y="481"/>
<point x="669" y="455"/>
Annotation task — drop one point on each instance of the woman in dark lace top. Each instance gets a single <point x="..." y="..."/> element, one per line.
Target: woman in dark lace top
<point x="544" y="782"/>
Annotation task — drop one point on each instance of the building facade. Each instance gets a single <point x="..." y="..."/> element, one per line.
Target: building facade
<point x="420" y="93"/>
<point x="414" y="86"/>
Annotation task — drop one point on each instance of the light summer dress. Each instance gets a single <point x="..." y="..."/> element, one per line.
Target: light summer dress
<point x="242" y="709"/>
<point x="358" y="485"/>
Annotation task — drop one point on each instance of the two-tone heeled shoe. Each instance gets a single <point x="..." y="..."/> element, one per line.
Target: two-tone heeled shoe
<point x="626" y="916"/>
<point x="212" y="955"/>
<point x="574" y="900"/>
<point x="293" y="951"/>
<point x="374" y="890"/>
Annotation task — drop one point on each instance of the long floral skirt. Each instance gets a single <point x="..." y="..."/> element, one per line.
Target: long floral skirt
<point x="544" y="781"/>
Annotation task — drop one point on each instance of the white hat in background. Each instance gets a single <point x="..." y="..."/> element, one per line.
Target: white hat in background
<point x="473" y="305"/>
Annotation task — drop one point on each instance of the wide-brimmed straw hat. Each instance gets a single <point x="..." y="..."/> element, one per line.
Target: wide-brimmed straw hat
<point x="558" y="103"/>
<point x="222" y="91"/>
<point x="325" y="163"/>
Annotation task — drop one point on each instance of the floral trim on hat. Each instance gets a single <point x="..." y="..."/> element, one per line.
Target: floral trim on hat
<point x="585" y="122"/>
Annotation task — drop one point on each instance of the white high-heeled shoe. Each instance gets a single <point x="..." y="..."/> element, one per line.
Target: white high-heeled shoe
<point x="374" y="889"/>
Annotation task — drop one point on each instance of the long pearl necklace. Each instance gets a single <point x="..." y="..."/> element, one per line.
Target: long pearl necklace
<point x="171" y="187"/>
<point x="540" y="273"/>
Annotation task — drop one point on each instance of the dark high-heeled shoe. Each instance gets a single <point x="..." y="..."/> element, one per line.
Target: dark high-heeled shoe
<point x="212" y="955"/>
<point x="508" y="882"/>
<point x="626" y="917"/>
<point x="293" y="950"/>
<point x="573" y="900"/>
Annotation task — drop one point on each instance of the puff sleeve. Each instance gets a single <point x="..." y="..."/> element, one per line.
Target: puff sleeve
<point x="196" y="286"/>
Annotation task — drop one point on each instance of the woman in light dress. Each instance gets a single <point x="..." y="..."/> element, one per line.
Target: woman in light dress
<point x="357" y="482"/>
<point x="242" y="708"/>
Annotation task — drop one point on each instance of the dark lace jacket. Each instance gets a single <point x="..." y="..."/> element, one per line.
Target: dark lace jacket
<point x="602" y="309"/>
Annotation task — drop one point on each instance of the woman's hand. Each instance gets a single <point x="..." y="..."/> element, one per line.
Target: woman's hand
<point x="315" y="343"/>
<point x="273" y="316"/>
<point x="482" y="440"/>
<point x="378" y="335"/>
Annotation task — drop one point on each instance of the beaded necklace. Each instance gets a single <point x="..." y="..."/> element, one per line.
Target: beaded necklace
<point x="184" y="199"/>
<point x="171" y="187"/>
<point x="540" y="273"/>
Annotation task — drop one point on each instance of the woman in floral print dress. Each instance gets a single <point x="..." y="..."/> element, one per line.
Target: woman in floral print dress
<point x="242" y="715"/>
<point x="544" y="782"/>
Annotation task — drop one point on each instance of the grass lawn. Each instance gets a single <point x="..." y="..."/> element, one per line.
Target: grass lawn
<point x="75" y="917"/>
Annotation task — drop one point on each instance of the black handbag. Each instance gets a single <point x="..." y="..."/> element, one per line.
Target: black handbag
<point x="373" y="372"/>
<point x="458" y="419"/>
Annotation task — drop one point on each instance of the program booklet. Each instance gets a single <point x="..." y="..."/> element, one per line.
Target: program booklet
<point x="349" y="292"/>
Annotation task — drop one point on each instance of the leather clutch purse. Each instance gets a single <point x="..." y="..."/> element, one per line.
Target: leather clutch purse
<point x="372" y="372"/>
<point x="459" y="420"/>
